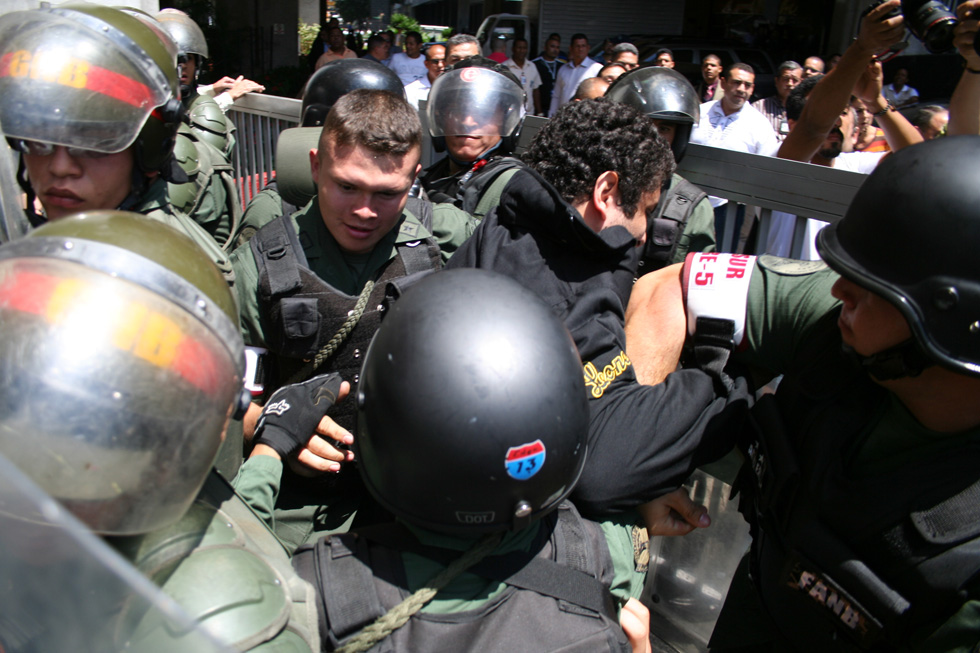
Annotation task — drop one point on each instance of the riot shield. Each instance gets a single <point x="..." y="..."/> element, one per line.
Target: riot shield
<point x="689" y="576"/>
<point x="62" y="588"/>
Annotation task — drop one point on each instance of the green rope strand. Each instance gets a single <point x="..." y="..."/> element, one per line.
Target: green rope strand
<point x="338" y="339"/>
<point x="399" y="615"/>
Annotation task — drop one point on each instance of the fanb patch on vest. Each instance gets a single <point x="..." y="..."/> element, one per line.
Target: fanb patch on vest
<point x="838" y="605"/>
<point x="526" y="460"/>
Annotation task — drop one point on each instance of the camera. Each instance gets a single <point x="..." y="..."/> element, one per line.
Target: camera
<point x="930" y="21"/>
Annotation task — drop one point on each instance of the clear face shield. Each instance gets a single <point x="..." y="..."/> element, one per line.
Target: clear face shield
<point x="474" y="102"/>
<point x="115" y="394"/>
<point x="73" y="80"/>
<point x="661" y="93"/>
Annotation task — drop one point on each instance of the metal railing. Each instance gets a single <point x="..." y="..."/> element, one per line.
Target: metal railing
<point x="759" y="182"/>
<point x="259" y="120"/>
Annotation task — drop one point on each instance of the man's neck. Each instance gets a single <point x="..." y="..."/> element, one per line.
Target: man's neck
<point x="940" y="399"/>
<point x="519" y="63"/>
<point x="576" y="63"/>
<point x="339" y="50"/>
<point x="728" y="110"/>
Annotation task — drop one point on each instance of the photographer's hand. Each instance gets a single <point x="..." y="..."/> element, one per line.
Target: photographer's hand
<point x="877" y="33"/>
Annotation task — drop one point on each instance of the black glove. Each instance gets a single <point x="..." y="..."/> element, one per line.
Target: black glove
<point x="291" y="415"/>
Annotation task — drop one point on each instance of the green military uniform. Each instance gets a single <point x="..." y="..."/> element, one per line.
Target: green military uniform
<point x="310" y="507"/>
<point x="210" y="196"/>
<point x="347" y="273"/>
<point x="229" y="572"/>
<point x="258" y="483"/>
<point x="154" y="203"/>
<point x="263" y="208"/>
<point x="791" y="326"/>
<point x="699" y="232"/>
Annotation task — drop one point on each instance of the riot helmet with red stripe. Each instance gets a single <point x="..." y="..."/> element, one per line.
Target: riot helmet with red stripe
<point x="92" y="78"/>
<point x="120" y="365"/>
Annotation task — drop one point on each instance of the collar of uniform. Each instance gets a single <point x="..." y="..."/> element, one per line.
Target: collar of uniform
<point x="531" y="203"/>
<point x="329" y="262"/>
<point x="409" y="229"/>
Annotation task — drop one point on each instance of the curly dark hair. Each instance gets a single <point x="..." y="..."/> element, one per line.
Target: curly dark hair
<point x="585" y="139"/>
<point x="796" y="99"/>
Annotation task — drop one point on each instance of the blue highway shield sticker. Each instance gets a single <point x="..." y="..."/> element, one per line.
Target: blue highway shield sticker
<point x="525" y="461"/>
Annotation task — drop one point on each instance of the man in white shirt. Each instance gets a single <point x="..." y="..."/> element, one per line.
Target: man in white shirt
<point x="527" y="72"/>
<point x="731" y="123"/>
<point x="570" y="75"/>
<point x="899" y="93"/>
<point x="435" y="62"/>
<point x="410" y="64"/>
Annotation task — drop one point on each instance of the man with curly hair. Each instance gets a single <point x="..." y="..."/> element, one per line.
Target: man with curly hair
<point x="568" y="228"/>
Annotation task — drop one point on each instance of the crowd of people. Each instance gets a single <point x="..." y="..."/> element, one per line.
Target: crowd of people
<point x="462" y="399"/>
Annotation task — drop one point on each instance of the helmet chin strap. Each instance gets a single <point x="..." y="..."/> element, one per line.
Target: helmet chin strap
<point x="905" y="359"/>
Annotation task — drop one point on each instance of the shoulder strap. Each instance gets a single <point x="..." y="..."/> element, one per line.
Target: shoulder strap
<point x="277" y="252"/>
<point x="415" y="254"/>
<point x="422" y="210"/>
<point x="338" y="569"/>
<point x="472" y="187"/>
<point x="670" y="220"/>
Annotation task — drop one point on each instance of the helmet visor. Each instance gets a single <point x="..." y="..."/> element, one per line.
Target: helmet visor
<point x="114" y="399"/>
<point x="65" y="82"/>
<point x="474" y="101"/>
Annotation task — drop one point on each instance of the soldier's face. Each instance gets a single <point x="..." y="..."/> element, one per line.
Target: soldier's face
<point x="867" y="321"/>
<point x="360" y="193"/>
<point x="67" y="184"/>
<point x="474" y="135"/>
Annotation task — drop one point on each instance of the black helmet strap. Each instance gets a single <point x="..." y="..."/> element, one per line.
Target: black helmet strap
<point x="903" y="360"/>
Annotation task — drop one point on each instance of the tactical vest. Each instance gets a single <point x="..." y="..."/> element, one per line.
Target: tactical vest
<point x="472" y="191"/>
<point x="229" y="573"/>
<point x="666" y="226"/>
<point x="557" y="599"/>
<point x="845" y="563"/>
<point x="303" y="313"/>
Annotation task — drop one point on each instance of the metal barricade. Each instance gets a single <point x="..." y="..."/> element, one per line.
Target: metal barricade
<point x="259" y="119"/>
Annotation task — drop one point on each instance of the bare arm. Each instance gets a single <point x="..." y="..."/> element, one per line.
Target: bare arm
<point x="656" y="324"/>
<point x="833" y="93"/>
<point x="964" y="105"/>
<point x="899" y="132"/>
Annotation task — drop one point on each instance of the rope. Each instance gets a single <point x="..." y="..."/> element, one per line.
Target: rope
<point x="338" y="339"/>
<point x="399" y="615"/>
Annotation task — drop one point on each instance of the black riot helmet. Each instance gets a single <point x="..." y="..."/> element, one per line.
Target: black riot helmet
<point x="472" y="409"/>
<point x="663" y="94"/>
<point x="338" y="78"/>
<point x="911" y="235"/>
<point x="476" y="96"/>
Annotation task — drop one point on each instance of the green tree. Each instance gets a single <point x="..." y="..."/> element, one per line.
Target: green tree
<point x="307" y="35"/>
<point x="401" y="23"/>
<point x="354" y="10"/>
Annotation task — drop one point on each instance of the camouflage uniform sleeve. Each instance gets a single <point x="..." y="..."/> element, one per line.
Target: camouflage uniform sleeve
<point x="699" y="232"/>
<point x="451" y="227"/>
<point x="247" y="290"/>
